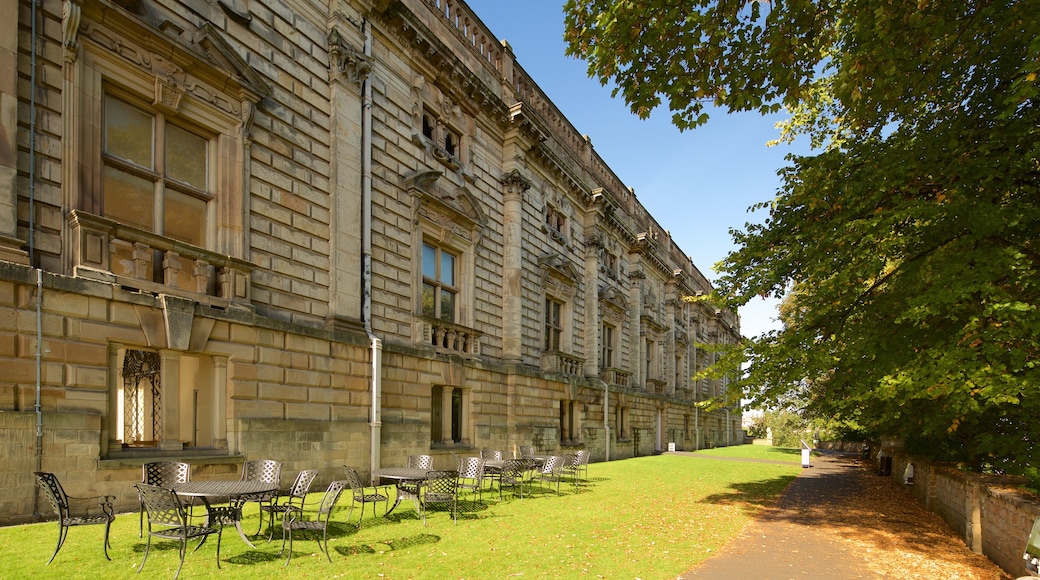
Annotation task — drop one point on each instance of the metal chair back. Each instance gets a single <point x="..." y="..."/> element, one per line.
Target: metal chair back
<point x="441" y="487"/>
<point x="75" y="511"/>
<point x="514" y="474"/>
<point x="297" y="520"/>
<point x="265" y="470"/>
<point x="162" y="474"/>
<point x="490" y="454"/>
<point x="293" y="500"/>
<point x="360" y="495"/>
<point x="168" y="519"/>
<point x="471" y="474"/>
<point x="526" y="450"/>
<point x="420" y="461"/>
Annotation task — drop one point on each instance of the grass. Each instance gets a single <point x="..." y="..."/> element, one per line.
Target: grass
<point x="647" y="517"/>
<point x="762" y="452"/>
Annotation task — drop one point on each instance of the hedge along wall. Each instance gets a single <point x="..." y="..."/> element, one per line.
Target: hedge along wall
<point x="990" y="513"/>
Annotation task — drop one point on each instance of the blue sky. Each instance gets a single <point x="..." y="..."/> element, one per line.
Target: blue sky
<point x="697" y="184"/>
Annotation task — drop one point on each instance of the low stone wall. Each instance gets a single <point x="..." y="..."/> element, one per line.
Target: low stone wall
<point x="990" y="513"/>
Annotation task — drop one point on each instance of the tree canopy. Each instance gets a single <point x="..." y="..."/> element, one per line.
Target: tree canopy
<point x="908" y="244"/>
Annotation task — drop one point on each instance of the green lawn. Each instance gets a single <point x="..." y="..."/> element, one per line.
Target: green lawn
<point x="764" y="452"/>
<point x="648" y="517"/>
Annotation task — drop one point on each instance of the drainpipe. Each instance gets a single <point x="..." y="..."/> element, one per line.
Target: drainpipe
<point x="606" y="419"/>
<point x="32" y="249"/>
<point x="376" y="424"/>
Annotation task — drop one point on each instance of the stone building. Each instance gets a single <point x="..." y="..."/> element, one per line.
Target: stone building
<point x="327" y="233"/>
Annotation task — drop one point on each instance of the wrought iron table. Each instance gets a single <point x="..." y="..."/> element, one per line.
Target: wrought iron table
<point x="237" y="492"/>
<point x="402" y="475"/>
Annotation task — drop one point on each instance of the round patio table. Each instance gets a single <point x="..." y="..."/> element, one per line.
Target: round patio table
<point x="236" y="490"/>
<point x="401" y="475"/>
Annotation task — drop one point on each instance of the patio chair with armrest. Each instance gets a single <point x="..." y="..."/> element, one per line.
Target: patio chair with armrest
<point x="291" y="499"/>
<point x="303" y="520"/>
<point x="514" y="475"/>
<point x="164" y="474"/>
<point x="168" y="519"/>
<point x="577" y="467"/>
<point x="266" y="471"/>
<point x="76" y="511"/>
<point x="440" y="487"/>
<point x="360" y="495"/>
<point x="471" y="475"/>
<point x="552" y="471"/>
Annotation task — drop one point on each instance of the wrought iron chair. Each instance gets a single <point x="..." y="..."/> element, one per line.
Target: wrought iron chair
<point x="293" y="498"/>
<point x="578" y="467"/>
<point x="168" y="519"/>
<point x="264" y="470"/>
<point x="514" y="474"/>
<point x="362" y="497"/>
<point x="471" y="475"/>
<point x="491" y="455"/>
<point x="526" y="451"/>
<point x="75" y="511"/>
<point x="441" y="487"/>
<point x="164" y="474"/>
<point x="302" y="520"/>
<point x="552" y="471"/>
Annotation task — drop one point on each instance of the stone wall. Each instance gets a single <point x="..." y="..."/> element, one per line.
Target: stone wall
<point x="991" y="514"/>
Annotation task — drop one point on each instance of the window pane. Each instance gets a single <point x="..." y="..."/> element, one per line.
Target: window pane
<point x="447" y="306"/>
<point x="186" y="157"/>
<point x="447" y="269"/>
<point x="128" y="132"/>
<point x="429" y="262"/>
<point x="129" y="199"/>
<point x="184" y="218"/>
<point x="429" y="294"/>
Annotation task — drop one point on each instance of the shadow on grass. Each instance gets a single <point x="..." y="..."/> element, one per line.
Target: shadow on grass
<point x="760" y="494"/>
<point x="402" y="543"/>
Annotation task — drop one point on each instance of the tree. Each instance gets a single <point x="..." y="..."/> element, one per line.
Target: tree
<point x="910" y="240"/>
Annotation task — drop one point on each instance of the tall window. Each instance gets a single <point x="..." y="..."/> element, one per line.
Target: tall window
<point x="620" y="422"/>
<point x="446" y="415"/>
<point x="607" y="355"/>
<point x="568" y="421"/>
<point x="156" y="173"/>
<point x="553" y="324"/>
<point x="439" y="289"/>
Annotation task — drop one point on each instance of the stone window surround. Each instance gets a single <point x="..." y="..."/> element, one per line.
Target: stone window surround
<point x="128" y="69"/>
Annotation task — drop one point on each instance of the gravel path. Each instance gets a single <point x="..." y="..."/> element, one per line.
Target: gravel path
<point x="838" y="520"/>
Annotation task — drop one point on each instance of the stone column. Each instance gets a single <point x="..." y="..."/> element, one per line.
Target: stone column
<point x="593" y="339"/>
<point x="635" y="337"/>
<point x="171" y="400"/>
<point x="218" y="403"/>
<point x="349" y="70"/>
<point x="513" y="187"/>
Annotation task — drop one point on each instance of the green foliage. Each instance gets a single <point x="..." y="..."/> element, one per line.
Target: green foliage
<point x="788" y="428"/>
<point x="909" y="242"/>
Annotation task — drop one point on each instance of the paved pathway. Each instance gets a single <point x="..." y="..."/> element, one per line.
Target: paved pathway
<point x="784" y="543"/>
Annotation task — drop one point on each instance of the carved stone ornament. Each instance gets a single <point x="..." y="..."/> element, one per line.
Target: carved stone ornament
<point x="347" y="60"/>
<point x="70" y="16"/>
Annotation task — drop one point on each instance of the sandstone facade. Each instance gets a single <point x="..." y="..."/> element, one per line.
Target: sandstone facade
<point x="322" y="232"/>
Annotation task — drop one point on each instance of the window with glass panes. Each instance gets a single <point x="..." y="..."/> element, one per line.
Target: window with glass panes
<point x="553" y="324"/>
<point x="156" y="172"/>
<point x="607" y="357"/>
<point x="439" y="290"/>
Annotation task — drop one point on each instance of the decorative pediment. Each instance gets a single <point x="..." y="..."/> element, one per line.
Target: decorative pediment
<point x="222" y="54"/>
<point x="559" y="276"/>
<point x="613" y="298"/>
<point x="455" y="209"/>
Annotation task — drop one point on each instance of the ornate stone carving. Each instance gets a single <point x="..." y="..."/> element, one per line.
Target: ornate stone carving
<point x="346" y="60"/>
<point x="70" y="17"/>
